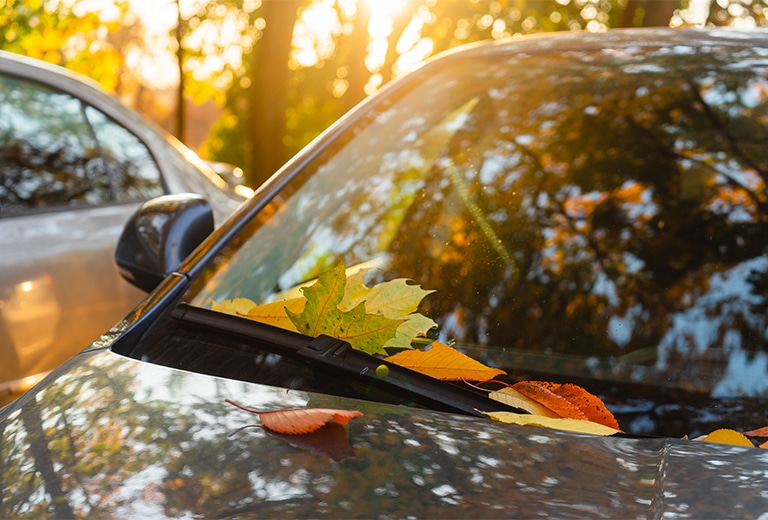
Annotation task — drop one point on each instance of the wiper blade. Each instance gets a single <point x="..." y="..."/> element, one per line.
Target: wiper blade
<point x="330" y="354"/>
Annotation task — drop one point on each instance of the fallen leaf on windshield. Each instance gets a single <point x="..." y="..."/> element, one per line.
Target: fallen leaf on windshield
<point x="295" y="421"/>
<point x="557" y="400"/>
<point x="514" y="398"/>
<point x="760" y="432"/>
<point x="726" y="436"/>
<point x="558" y="423"/>
<point x="443" y="362"/>
<point x="237" y="306"/>
<point x="396" y="299"/>
<point x="275" y="314"/>
<point x="322" y="315"/>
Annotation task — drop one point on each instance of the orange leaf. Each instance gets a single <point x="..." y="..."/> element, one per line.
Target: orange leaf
<point x="538" y="391"/>
<point x="295" y="421"/>
<point x="590" y="405"/>
<point x="566" y="400"/>
<point x="514" y="398"/>
<point x="443" y="362"/>
<point x="726" y="436"/>
<point x="760" y="432"/>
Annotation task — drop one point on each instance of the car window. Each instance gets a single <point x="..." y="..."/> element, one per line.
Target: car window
<point x="593" y="217"/>
<point x="55" y="151"/>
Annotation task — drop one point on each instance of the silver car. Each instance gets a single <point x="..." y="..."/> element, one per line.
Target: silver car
<point x="74" y="164"/>
<point x="579" y="210"/>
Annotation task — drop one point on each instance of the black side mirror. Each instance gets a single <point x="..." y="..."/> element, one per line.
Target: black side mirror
<point x="160" y="235"/>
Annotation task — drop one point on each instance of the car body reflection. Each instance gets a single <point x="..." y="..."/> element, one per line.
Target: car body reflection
<point x="202" y="462"/>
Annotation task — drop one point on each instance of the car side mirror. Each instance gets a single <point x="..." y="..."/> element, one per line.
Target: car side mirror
<point x="160" y="235"/>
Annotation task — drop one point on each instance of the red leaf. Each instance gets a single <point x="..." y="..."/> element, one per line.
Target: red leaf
<point x="296" y="421"/>
<point x="569" y="401"/>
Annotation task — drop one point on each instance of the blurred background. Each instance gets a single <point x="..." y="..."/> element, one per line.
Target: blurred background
<point x="250" y="82"/>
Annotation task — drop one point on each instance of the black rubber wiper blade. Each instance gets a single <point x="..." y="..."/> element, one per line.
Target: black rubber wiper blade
<point x="334" y="355"/>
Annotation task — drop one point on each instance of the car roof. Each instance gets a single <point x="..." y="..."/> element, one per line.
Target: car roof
<point x="555" y="42"/>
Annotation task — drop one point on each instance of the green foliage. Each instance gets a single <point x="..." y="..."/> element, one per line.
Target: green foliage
<point x="321" y="315"/>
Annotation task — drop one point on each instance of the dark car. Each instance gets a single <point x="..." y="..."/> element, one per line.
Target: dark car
<point x="573" y="209"/>
<point x="74" y="165"/>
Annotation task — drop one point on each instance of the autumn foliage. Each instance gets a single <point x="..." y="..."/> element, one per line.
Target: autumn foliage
<point x="383" y="317"/>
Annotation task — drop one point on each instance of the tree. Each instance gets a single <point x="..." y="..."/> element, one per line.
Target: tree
<point x="64" y="36"/>
<point x="267" y="94"/>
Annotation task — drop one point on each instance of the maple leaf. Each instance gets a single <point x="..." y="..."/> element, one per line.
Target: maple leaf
<point x="443" y="362"/>
<point x="321" y="315"/>
<point x="295" y="421"/>
<point x="395" y="299"/>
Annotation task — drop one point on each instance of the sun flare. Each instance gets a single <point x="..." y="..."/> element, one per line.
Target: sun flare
<point x="385" y="7"/>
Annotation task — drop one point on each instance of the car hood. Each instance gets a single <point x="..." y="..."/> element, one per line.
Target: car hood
<point x="107" y="435"/>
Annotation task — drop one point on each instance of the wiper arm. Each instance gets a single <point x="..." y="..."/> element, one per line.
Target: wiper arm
<point x="338" y="356"/>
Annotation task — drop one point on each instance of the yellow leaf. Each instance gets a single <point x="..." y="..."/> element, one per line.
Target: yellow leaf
<point x="238" y="306"/>
<point x="443" y="362"/>
<point x="571" y="425"/>
<point x="514" y="398"/>
<point x="274" y="313"/>
<point x="726" y="436"/>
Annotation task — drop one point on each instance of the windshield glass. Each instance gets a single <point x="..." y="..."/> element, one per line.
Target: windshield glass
<point x="597" y="217"/>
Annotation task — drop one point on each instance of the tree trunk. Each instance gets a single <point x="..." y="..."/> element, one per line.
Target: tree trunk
<point x="180" y="113"/>
<point x="268" y="96"/>
<point x="358" y="50"/>
<point x="649" y="13"/>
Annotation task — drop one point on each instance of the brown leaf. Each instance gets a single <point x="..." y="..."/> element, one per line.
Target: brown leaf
<point x="443" y="362"/>
<point x="295" y="421"/>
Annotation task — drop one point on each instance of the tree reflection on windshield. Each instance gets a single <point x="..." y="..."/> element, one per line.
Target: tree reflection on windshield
<point x="611" y="227"/>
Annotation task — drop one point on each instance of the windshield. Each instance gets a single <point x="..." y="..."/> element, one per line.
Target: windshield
<point x="596" y="217"/>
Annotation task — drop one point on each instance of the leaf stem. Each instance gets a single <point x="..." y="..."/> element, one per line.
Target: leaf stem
<point x="242" y="407"/>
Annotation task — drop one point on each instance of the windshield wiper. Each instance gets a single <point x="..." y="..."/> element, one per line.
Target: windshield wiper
<point x="334" y="355"/>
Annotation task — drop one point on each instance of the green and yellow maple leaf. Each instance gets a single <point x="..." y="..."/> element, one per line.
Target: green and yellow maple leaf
<point x="395" y="299"/>
<point x="364" y="331"/>
<point x="371" y="319"/>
